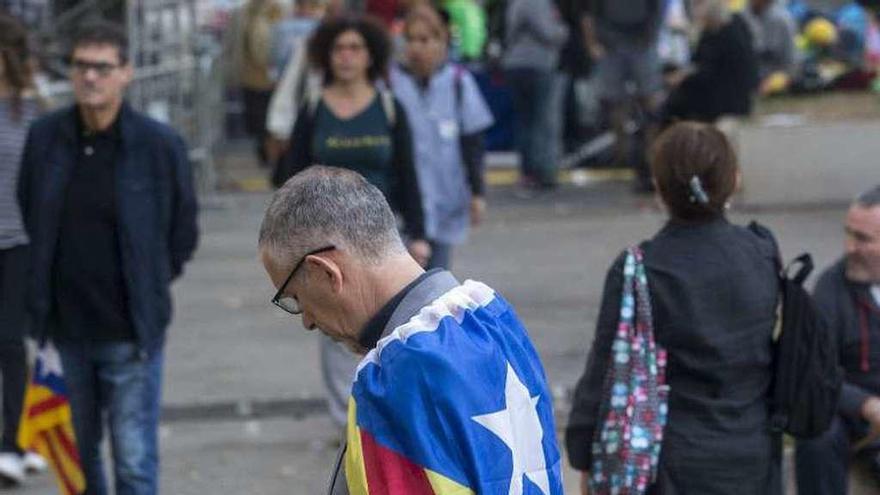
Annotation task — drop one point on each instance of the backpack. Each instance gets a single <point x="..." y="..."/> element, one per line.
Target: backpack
<point x="629" y="16"/>
<point x="807" y="376"/>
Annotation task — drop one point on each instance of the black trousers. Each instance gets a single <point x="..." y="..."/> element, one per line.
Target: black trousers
<point x="13" y="364"/>
<point x="256" y="108"/>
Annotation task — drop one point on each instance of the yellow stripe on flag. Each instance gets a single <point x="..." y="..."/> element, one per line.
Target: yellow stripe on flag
<point x="67" y="465"/>
<point x="445" y="486"/>
<point x="355" y="471"/>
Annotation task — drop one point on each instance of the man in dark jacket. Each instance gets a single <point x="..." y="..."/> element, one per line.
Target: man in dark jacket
<point x="848" y="295"/>
<point x="108" y="200"/>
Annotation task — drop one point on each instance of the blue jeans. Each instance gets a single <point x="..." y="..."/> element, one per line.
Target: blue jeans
<point x="111" y="379"/>
<point x="533" y="96"/>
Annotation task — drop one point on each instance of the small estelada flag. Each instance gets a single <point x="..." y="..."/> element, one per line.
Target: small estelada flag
<point x="46" y="421"/>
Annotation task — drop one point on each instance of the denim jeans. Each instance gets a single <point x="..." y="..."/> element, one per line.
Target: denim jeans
<point x="112" y="380"/>
<point x="533" y="95"/>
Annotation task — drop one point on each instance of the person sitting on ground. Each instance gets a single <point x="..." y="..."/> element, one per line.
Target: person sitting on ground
<point x="724" y="73"/>
<point x="773" y="32"/>
<point x="848" y="296"/>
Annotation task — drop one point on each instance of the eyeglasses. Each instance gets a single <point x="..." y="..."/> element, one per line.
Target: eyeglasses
<point x="102" y="69"/>
<point x="290" y="303"/>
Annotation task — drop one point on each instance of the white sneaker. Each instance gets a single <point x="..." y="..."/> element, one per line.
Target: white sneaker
<point x="11" y="468"/>
<point x="34" y="463"/>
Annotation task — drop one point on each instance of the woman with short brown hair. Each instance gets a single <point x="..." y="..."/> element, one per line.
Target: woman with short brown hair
<point x="713" y="288"/>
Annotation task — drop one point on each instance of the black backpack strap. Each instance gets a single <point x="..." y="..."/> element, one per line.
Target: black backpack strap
<point x="804" y="260"/>
<point x="806" y="263"/>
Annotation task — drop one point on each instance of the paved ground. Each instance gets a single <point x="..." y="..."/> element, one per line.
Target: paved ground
<point x="242" y="391"/>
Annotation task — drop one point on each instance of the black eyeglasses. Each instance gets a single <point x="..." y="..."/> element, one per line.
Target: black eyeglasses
<point x="103" y="69"/>
<point x="290" y="303"/>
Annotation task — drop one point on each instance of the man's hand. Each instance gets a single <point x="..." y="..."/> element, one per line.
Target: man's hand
<point x="597" y="51"/>
<point x="871" y="413"/>
<point x="420" y="250"/>
<point x="275" y="148"/>
<point x="478" y="210"/>
<point x="674" y="79"/>
<point x="588" y="31"/>
<point x="585" y="483"/>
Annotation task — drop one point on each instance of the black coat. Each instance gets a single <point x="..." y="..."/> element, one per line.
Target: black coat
<point x="845" y="306"/>
<point x="157" y="214"/>
<point x="714" y="291"/>
<point x="725" y="77"/>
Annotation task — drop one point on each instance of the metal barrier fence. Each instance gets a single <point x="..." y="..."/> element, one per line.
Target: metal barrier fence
<point x="178" y="78"/>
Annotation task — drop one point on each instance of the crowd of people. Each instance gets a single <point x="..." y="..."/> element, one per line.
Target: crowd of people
<point x="434" y="380"/>
<point x="646" y="63"/>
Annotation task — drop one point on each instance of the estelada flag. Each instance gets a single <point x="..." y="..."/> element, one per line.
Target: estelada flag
<point x="46" y="421"/>
<point x="453" y="402"/>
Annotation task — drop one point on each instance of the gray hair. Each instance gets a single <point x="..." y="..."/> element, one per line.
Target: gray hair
<point x="869" y="198"/>
<point x="326" y="205"/>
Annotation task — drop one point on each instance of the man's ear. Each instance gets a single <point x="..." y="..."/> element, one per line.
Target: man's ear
<point x="327" y="270"/>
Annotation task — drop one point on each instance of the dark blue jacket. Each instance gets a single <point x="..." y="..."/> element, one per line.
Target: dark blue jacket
<point x="157" y="214"/>
<point x="854" y="318"/>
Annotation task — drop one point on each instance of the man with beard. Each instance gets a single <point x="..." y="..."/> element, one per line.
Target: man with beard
<point x="848" y="295"/>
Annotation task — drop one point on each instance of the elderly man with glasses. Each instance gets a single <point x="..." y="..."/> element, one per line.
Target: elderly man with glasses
<point x="450" y="395"/>
<point x="108" y="201"/>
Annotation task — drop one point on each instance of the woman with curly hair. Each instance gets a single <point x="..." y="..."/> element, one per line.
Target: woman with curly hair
<point x="354" y="124"/>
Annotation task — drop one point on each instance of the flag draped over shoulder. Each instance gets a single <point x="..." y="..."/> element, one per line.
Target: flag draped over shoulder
<point x="46" y="422"/>
<point x="453" y="402"/>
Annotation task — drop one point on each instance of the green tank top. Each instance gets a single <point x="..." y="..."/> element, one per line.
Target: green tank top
<point x="361" y="143"/>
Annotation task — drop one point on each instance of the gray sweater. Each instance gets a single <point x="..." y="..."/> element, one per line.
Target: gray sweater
<point x="535" y="34"/>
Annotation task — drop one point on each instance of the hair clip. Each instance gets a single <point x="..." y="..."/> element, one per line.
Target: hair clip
<point x="698" y="194"/>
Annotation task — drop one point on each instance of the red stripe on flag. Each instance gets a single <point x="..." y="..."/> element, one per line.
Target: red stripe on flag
<point x="68" y="445"/>
<point x="57" y="464"/>
<point x="46" y="405"/>
<point x="390" y="473"/>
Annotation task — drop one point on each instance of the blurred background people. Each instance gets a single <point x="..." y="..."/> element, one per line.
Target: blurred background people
<point x="534" y="37"/>
<point x="448" y="117"/>
<point x="723" y="75"/>
<point x="773" y="30"/>
<point x="622" y="36"/>
<point x="296" y="79"/>
<point x="254" y="63"/>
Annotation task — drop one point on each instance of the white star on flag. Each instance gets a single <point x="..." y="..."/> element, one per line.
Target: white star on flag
<point x="519" y="427"/>
<point x="51" y="360"/>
